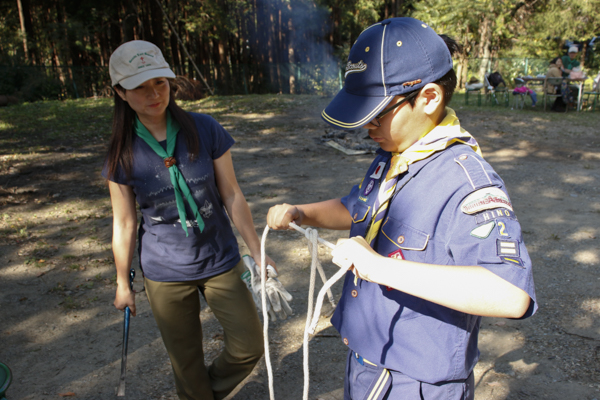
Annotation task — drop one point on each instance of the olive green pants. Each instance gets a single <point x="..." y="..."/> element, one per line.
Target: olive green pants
<point x="176" y="309"/>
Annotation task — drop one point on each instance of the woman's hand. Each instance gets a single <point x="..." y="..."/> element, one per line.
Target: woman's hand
<point x="356" y="253"/>
<point x="280" y="216"/>
<point x="125" y="297"/>
<point x="268" y="260"/>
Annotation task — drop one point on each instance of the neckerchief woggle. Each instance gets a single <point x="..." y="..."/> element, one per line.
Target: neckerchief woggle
<point x="439" y="138"/>
<point x="179" y="184"/>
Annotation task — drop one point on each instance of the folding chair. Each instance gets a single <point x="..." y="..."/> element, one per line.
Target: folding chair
<point x="493" y="93"/>
<point x="519" y="98"/>
<point x="556" y="82"/>
<point x="5" y="380"/>
<point x="592" y="96"/>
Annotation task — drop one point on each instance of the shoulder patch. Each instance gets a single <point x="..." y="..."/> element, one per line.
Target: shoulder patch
<point x="513" y="260"/>
<point x="378" y="171"/>
<point x="508" y="248"/>
<point x="485" y="199"/>
<point x="483" y="231"/>
<point x="487" y="216"/>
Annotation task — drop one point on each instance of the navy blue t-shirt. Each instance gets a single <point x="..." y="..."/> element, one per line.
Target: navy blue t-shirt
<point x="166" y="254"/>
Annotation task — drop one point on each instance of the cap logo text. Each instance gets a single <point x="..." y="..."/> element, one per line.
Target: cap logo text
<point x="412" y="83"/>
<point x="352" y="68"/>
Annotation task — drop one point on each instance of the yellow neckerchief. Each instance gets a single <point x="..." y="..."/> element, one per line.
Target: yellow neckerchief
<point x="439" y="138"/>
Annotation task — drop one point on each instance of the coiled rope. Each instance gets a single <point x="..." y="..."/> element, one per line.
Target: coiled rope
<point x="312" y="319"/>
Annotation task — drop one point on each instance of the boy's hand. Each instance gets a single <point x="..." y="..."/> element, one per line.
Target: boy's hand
<point x="280" y="216"/>
<point x="357" y="252"/>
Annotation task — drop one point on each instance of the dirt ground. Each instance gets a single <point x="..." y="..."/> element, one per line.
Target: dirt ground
<point x="62" y="337"/>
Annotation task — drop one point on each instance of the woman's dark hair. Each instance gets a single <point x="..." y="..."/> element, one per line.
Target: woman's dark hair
<point x="554" y="60"/>
<point x="120" y="150"/>
<point x="448" y="81"/>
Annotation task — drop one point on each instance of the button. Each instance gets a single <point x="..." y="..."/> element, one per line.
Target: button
<point x="346" y="341"/>
<point x="355" y="216"/>
<point x="401" y="239"/>
<point x="354" y="293"/>
<point x="463" y="157"/>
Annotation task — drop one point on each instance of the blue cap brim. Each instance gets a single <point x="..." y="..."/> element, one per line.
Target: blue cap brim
<point x="349" y="111"/>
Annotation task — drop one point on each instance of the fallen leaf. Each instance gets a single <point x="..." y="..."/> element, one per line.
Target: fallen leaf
<point x="494" y="384"/>
<point x="500" y="323"/>
<point x="67" y="394"/>
<point x="39" y="274"/>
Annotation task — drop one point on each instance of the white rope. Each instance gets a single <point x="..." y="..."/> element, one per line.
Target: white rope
<point x="312" y="319"/>
<point x="263" y="296"/>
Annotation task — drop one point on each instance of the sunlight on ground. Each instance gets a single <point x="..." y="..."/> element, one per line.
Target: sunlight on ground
<point x="506" y="155"/>
<point x="577" y="178"/>
<point x="591" y="305"/>
<point x="30" y="327"/>
<point x="586" y="256"/>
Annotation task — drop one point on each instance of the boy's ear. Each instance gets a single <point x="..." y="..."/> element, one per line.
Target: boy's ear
<point x="433" y="96"/>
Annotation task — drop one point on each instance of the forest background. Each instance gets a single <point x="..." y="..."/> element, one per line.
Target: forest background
<point x="56" y="49"/>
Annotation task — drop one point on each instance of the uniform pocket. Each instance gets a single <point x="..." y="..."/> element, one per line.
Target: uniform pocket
<point x="404" y="236"/>
<point x="396" y="235"/>
<point x="360" y="213"/>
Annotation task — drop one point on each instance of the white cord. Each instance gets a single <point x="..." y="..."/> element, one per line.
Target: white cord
<point x="263" y="296"/>
<point x="312" y="319"/>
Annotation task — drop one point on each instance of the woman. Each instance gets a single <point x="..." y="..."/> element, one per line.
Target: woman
<point x="178" y="168"/>
<point x="554" y="71"/>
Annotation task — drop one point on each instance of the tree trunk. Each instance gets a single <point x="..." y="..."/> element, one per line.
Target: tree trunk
<point x="23" y="31"/>
<point x="156" y="17"/>
<point x="484" y="46"/>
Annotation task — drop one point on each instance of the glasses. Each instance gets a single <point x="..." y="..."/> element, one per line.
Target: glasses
<point x="398" y="104"/>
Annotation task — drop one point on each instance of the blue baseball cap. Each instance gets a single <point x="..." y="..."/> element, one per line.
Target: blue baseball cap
<point x="389" y="58"/>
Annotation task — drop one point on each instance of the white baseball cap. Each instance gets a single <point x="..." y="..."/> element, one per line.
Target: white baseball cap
<point x="573" y="49"/>
<point x="135" y="62"/>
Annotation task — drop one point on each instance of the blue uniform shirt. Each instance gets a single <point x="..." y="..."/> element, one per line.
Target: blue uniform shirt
<point x="449" y="209"/>
<point x="166" y="254"/>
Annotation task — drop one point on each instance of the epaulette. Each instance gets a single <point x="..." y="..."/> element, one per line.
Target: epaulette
<point x="473" y="167"/>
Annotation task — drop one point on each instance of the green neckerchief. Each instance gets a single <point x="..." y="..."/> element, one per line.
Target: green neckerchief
<point x="179" y="185"/>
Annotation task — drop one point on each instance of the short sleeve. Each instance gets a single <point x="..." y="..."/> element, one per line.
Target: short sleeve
<point x="212" y="135"/>
<point x="118" y="177"/>
<point x="492" y="239"/>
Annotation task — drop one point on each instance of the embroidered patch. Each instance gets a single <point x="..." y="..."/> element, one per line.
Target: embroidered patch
<point x="378" y="171"/>
<point x="513" y="260"/>
<point x="483" y="231"/>
<point x="485" y="199"/>
<point x="369" y="187"/>
<point x="502" y="229"/>
<point x="397" y="254"/>
<point x="487" y="216"/>
<point x="507" y="248"/>
<point x="352" y="68"/>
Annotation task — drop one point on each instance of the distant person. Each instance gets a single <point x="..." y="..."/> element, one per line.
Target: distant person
<point x="521" y="88"/>
<point x="569" y="61"/>
<point x="435" y="243"/>
<point x="554" y="75"/>
<point x="177" y="167"/>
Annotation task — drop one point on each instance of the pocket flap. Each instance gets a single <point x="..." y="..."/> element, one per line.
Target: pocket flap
<point x="360" y="213"/>
<point x="404" y="236"/>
